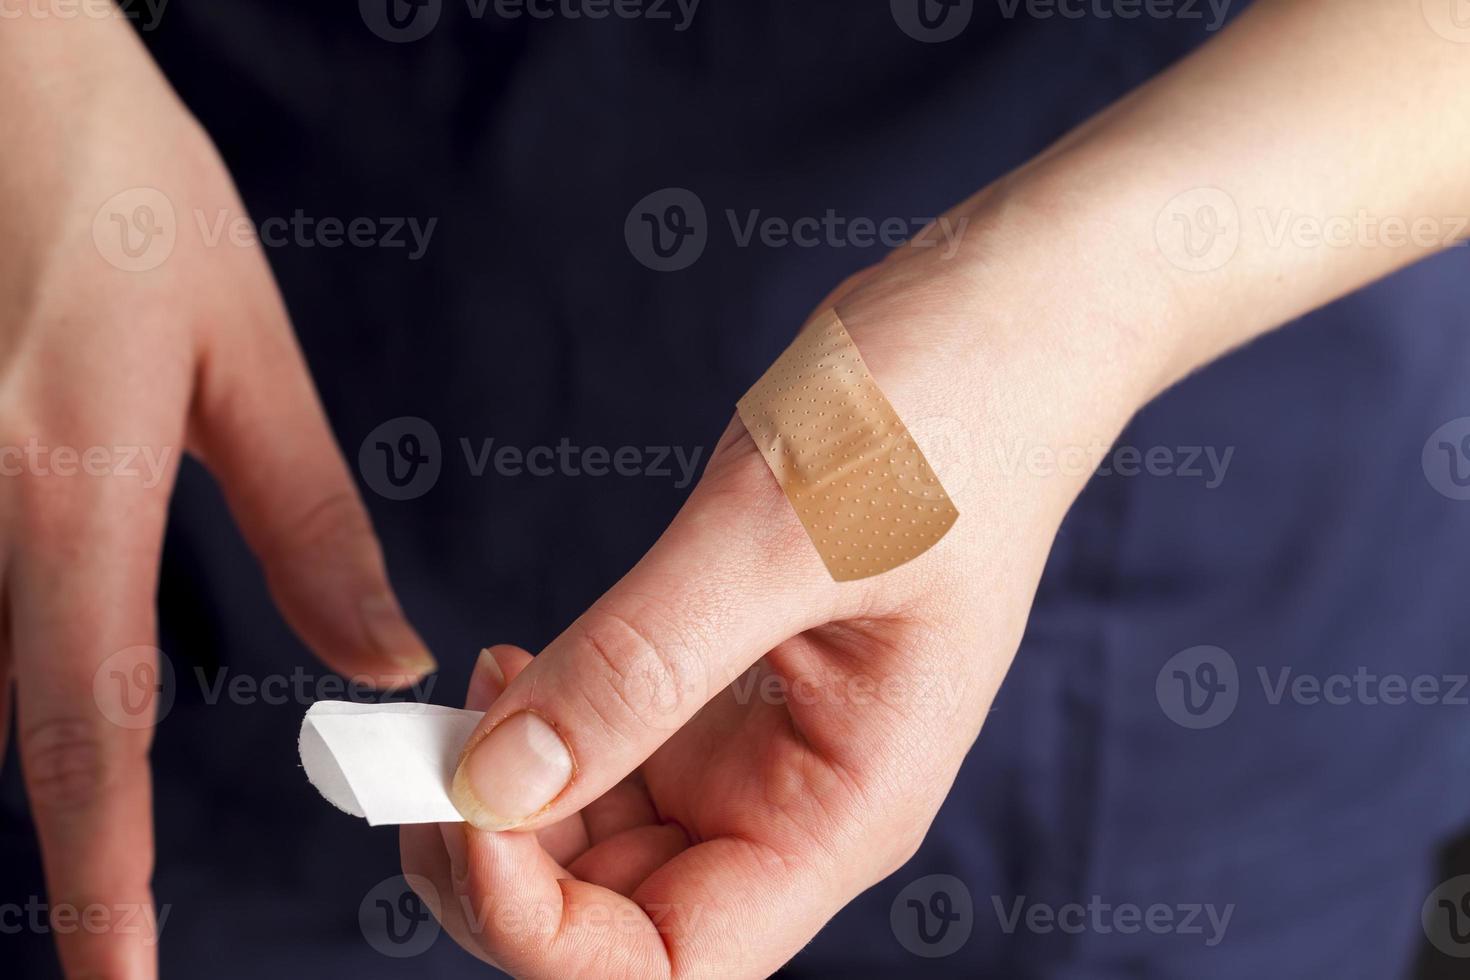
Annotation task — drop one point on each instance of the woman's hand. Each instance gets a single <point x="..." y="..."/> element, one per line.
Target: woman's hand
<point x="126" y="338"/>
<point x="729" y="745"/>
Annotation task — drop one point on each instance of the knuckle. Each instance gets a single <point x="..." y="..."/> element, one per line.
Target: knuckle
<point x="642" y="677"/>
<point x="65" y="763"/>
<point x="335" y="521"/>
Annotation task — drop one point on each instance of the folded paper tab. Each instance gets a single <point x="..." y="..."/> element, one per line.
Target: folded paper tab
<point x="388" y="763"/>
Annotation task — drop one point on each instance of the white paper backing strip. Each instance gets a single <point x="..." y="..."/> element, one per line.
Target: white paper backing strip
<point x="388" y="763"/>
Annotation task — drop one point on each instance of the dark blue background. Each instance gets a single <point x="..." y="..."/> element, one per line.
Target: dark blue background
<point x="529" y="321"/>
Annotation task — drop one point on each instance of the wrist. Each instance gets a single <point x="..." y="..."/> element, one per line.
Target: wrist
<point x="1040" y="334"/>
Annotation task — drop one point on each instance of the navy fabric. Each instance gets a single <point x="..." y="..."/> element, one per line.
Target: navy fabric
<point x="528" y="320"/>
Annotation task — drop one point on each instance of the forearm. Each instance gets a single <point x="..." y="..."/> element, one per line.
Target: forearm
<point x="1336" y="134"/>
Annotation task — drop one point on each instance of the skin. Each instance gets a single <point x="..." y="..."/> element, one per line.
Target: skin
<point x="710" y="831"/>
<point x="196" y="355"/>
<point x="709" y="828"/>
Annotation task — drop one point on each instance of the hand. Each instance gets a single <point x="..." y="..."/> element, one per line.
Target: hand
<point x="729" y="745"/>
<point x="108" y="372"/>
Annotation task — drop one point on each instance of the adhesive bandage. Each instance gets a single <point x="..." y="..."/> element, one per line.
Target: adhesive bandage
<point x="860" y="486"/>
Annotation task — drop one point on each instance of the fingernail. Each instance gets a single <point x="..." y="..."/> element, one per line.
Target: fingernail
<point x="390" y="634"/>
<point x="487" y="682"/>
<point x="455" y="844"/>
<point x="512" y="773"/>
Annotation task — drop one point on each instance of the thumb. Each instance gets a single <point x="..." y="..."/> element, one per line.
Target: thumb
<point x="260" y="429"/>
<point x="733" y="576"/>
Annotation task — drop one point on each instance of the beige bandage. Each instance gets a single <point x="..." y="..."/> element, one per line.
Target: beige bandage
<point x="862" y="489"/>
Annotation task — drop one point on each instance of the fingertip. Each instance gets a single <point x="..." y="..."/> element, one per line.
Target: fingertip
<point x="511" y="659"/>
<point x="392" y="638"/>
<point x="495" y="668"/>
<point x="455" y="843"/>
<point x="487" y="682"/>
